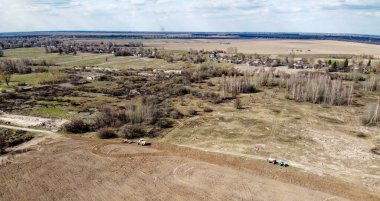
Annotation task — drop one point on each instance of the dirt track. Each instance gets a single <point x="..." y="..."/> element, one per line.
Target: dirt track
<point x="82" y="169"/>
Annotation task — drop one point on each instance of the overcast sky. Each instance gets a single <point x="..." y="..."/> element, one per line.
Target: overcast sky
<point x="328" y="16"/>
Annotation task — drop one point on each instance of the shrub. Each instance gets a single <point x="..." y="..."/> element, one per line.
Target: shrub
<point x="164" y="123"/>
<point x="175" y="114"/>
<point x="41" y="69"/>
<point x="216" y="100"/>
<point x="192" y="112"/>
<point x="77" y="126"/>
<point x="179" y="91"/>
<point x="21" y="84"/>
<point x="106" y="78"/>
<point x="375" y="150"/>
<point x="3" y="144"/>
<point x="131" y="132"/>
<point x="207" y="109"/>
<point x="237" y="104"/>
<point x="373" y="115"/>
<point x="106" y="133"/>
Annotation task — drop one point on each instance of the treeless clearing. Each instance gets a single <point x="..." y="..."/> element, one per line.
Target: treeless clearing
<point x="322" y="139"/>
<point x="30" y="121"/>
<point x="271" y="46"/>
<point x="83" y="169"/>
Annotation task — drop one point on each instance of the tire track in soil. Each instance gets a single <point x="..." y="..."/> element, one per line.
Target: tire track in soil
<point x="287" y="175"/>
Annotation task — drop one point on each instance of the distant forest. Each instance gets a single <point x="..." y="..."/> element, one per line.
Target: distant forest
<point x="373" y="39"/>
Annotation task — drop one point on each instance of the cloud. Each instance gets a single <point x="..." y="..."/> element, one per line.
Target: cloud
<point x="55" y="4"/>
<point x="192" y="15"/>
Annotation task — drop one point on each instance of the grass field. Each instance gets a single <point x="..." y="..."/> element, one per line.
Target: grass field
<point x="32" y="79"/>
<point x="33" y="53"/>
<point x="87" y="59"/>
<point x="55" y="112"/>
<point x="267" y="46"/>
<point x="322" y="139"/>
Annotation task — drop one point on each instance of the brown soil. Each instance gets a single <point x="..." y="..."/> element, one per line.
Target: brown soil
<point x="86" y="169"/>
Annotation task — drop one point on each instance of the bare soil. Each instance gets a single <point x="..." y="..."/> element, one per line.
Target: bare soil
<point x="86" y="169"/>
<point x="31" y="121"/>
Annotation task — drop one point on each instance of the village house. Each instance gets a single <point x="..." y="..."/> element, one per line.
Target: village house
<point x="256" y="62"/>
<point x="300" y="65"/>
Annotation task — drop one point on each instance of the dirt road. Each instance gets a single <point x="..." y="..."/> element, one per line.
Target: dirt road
<point x="83" y="169"/>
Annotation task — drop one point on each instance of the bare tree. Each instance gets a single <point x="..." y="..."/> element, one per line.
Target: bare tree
<point x="232" y="50"/>
<point x="3" y="144"/>
<point x="237" y="104"/>
<point x="373" y="116"/>
<point x="371" y="84"/>
<point x="319" y="89"/>
<point x="3" y="140"/>
<point x="6" y="76"/>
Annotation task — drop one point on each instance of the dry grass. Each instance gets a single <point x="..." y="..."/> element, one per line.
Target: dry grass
<point x="88" y="59"/>
<point x="316" y="137"/>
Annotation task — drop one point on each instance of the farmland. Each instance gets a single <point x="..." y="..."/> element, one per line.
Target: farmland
<point x="272" y="46"/>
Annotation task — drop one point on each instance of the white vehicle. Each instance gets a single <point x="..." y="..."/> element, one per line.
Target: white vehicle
<point x="142" y="142"/>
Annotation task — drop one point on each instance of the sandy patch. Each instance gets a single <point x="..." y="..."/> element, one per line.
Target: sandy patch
<point x="30" y="121"/>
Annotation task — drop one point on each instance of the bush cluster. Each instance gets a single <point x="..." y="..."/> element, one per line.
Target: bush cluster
<point x="106" y="133"/>
<point x="130" y="132"/>
<point x="77" y="126"/>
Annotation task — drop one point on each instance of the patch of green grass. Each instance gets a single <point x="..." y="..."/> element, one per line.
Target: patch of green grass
<point x="48" y="102"/>
<point x="139" y="63"/>
<point x="9" y="88"/>
<point x="32" y="79"/>
<point x="89" y="59"/>
<point x="54" y="112"/>
<point x="85" y="59"/>
<point x="25" y="52"/>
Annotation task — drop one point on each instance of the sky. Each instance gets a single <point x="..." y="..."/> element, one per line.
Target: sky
<point x="316" y="16"/>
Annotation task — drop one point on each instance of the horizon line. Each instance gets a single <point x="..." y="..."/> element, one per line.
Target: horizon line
<point x="206" y="32"/>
